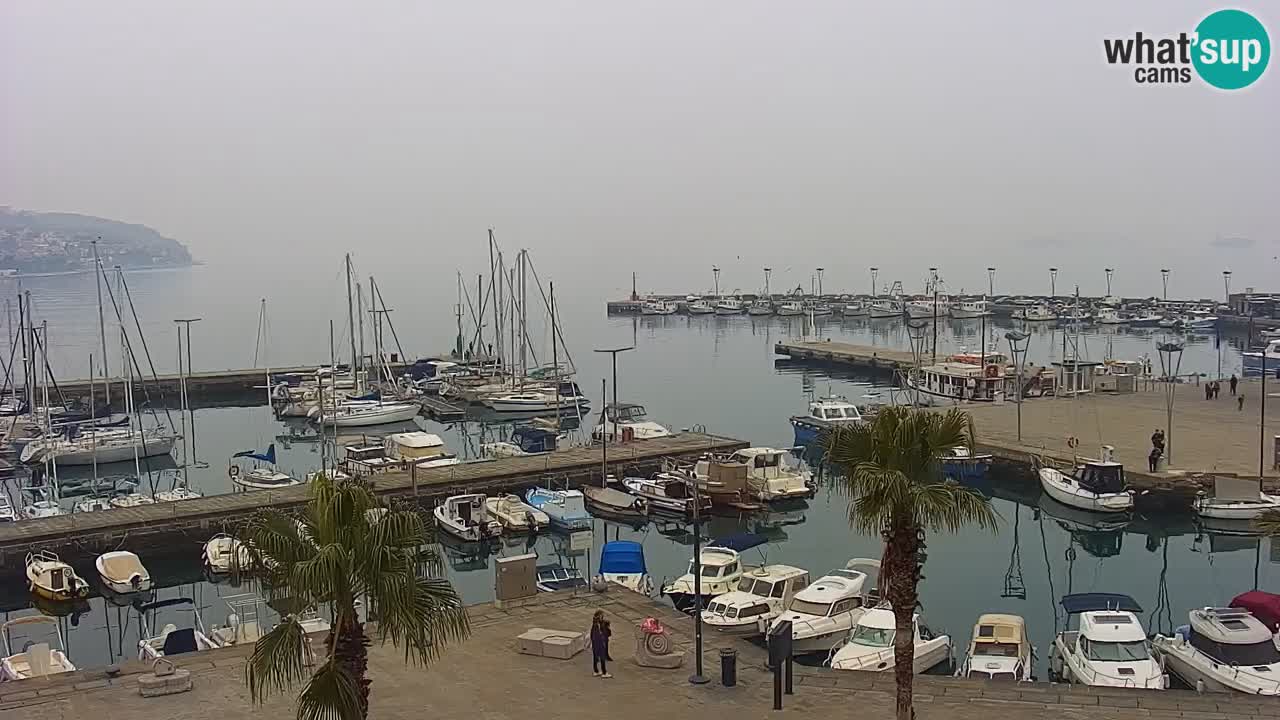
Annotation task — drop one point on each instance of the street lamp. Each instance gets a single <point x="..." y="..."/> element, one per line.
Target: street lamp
<point x="697" y="678"/>
<point x="991" y="281"/>
<point x="819" y="282"/>
<point x="716" y="271"/>
<point x="874" y="272"/>
<point x="1170" y="366"/>
<point x="916" y="336"/>
<point x="1164" y="277"/>
<point x="1109" y="271"/>
<point x="1053" y="282"/>
<point x="1226" y="285"/>
<point x="1018" y="344"/>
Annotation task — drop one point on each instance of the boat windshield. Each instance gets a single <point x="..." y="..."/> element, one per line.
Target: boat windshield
<point x="1114" y="651"/>
<point x="807" y="607"/>
<point x="629" y="413"/>
<point x="996" y="650"/>
<point x="755" y="587"/>
<point x="1260" y="653"/>
<point x="873" y="637"/>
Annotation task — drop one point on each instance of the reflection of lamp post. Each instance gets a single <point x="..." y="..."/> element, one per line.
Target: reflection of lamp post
<point x="874" y="272"/>
<point x="1170" y="365"/>
<point x="916" y="335"/>
<point x="1109" y="271"/>
<point x="1053" y="282"/>
<point x="1164" y="278"/>
<point x="991" y="281"/>
<point x="1018" y="344"/>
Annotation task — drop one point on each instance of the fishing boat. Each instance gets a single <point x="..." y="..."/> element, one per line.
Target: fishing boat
<point x="565" y="508"/>
<point x="1094" y="485"/>
<point x="222" y="554"/>
<point x="721" y="567"/>
<point x="1222" y="650"/>
<point x="365" y="414"/>
<point x="700" y="307"/>
<point x="828" y="609"/>
<point x="1235" y="499"/>
<point x="658" y="307"/>
<point x="622" y="563"/>
<point x="1111" y="316"/>
<point x="824" y="414"/>
<point x="886" y="308"/>
<point x="791" y="308"/>
<point x="969" y="309"/>
<point x="729" y="306"/>
<point x="960" y="464"/>
<point x="950" y="382"/>
<point x="466" y="518"/>
<point x="760" y="306"/>
<point x="855" y="309"/>
<point x="771" y="474"/>
<point x="50" y="578"/>
<point x="122" y="572"/>
<point x="869" y="646"/>
<point x="171" y="640"/>
<point x="1038" y="312"/>
<point x="1110" y="647"/>
<point x="666" y="493"/>
<point x="514" y="515"/>
<point x="36" y="659"/>
<point x="609" y="502"/>
<point x="1256" y="360"/>
<point x="999" y="650"/>
<point x="816" y="308"/>
<point x="627" y="422"/>
<point x="762" y="595"/>
<point x="98" y="446"/>
<point x="928" y="308"/>
<point x="553" y="578"/>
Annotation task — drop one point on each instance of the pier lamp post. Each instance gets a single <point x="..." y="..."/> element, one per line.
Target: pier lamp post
<point x="875" y="271"/>
<point x="1053" y="282"/>
<point x="1170" y="366"/>
<point x="1109" y="271"/>
<point x="820" y="282"/>
<point x="716" y="271"/>
<point x="1018" y="344"/>
<point x="1226" y="286"/>
<point x="697" y="678"/>
<point x="916" y="336"/>
<point x="991" y="281"/>
<point x="767" y="294"/>
<point x="604" y="440"/>
<point x="1164" y="278"/>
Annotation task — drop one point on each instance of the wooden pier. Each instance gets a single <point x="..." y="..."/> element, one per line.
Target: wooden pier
<point x="440" y="409"/>
<point x="825" y="352"/>
<point x="140" y="527"/>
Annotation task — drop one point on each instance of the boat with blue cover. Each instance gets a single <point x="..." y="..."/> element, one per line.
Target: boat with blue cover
<point x="824" y="414"/>
<point x="960" y="464"/>
<point x="622" y="562"/>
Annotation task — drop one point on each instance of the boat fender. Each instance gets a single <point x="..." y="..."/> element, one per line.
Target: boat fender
<point x="233" y="471"/>
<point x="1073" y="441"/>
<point x="993" y="371"/>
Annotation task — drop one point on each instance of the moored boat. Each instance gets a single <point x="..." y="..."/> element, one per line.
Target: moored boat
<point x="36" y="659"/>
<point x="1109" y="648"/>
<point x="122" y="572"/>
<point x="51" y="578"/>
<point x="721" y="567"/>
<point x="622" y="562"/>
<point x="515" y="515"/>
<point x="565" y="508"/>
<point x="466" y="518"/>
<point x="1094" y="485"/>
<point x="762" y="594"/>
<point x="824" y="613"/>
<point x="999" y="649"/>
<point x="1222" y="650"/>
<point x="870" y="645"/>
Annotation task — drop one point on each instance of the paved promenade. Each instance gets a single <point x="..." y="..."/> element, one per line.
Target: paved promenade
<point x="485" y="679"/>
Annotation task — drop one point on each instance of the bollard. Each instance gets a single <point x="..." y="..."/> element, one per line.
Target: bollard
<point x="728" y="667"/>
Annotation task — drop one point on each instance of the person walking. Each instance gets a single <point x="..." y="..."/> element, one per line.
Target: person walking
<point x="600" y="633"/>
<point x="1208" y="391"/>
<point x="1217" y="389"/>
<point x="1233" y="382"/>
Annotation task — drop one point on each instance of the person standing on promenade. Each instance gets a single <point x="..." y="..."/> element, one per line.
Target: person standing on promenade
<point x="600" y="633"/>
<point x="1234" y="382"/>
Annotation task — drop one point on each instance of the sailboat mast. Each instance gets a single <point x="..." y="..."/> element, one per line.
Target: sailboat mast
<point x="360" y="322"/>
<point x="524" y="314"/>
<point x="102" y="326"/>
<point x="351" y="321"/>
<point x="555" y="356"/>
<point x="182" y="398"/>
<point x="495" y="292"/>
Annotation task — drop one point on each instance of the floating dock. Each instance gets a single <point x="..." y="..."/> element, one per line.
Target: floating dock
<point x="139" y="528"/>
<point x="441" y="410"/>
<point x="826" y="352"/>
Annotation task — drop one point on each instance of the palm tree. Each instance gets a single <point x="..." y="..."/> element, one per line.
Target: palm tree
<point x="345" y="548"/>
<point x="890" y="468"/>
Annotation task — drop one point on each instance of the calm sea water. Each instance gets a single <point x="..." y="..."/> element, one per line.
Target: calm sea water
<point x="710" y="371"/>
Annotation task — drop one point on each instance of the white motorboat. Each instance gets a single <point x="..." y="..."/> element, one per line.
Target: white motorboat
<point x="223" y="554"/>
<point x="365" y="414"/>
<point x="622" y="563"/>
<point x="50" y="578"/>
<point x="824" y="413"/>
<point x="44" y="507"/>
<point x="700" y="307"/>
<point x="1235" y="499"/>
<point x="928" y="308"/>
<point x="566" y="508"/>
<point x="627" y="421"/>
<point x="1095" y="485"/>
<point x="1038" y="312"/>
<point x="37" y="659"/>
<point x="729" y="306"/>
<point x="967" y="309"/>
<point x="813" y="308"/>
<point x="855" y="309"/>
<point x="761" y="306"/>
<point x="122" y="572"/>
<point x="771" y="474"/>
<point x="179" y="492"/>
<point x="999" y="650"/>
<point x="244" y="624"/>
<point x="1111" y="316"/>
<point x="99" y="446"/>
<point x="466" y="518"/>
<point x="1222" y="650"/>
<point x="7" y="513"/>
<point x="538" y="401"/>
<point x="423" y="449"/>
<point x="171" y="640"/>
<point x="1146" y="318"/>
<point x="1200" y="321"/>
<point x="553" y="578"/>
<point x="885" y="308"/>
<point x="263" y="478"/>
<point x="1268" y="357"/>
<point x="869" y="646"/>
<point x="130" y="500"/>
<point x="1110" y="648"/>
<point x="658" y="307"/>
<point x="666" y="492"/>
<point x="721" y="570"/>
<point x="92" y="504"/>
<point x="515" y="515"/>
<point x="790" y="309"/>
<point x="762" y="594"/>
<point x="824" y="613"/>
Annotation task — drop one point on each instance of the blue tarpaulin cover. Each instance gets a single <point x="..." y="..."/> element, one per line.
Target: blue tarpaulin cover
<point x="622" y="557"/>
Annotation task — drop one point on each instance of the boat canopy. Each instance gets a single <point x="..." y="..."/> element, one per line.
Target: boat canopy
<point x="534" y="439"/>
<point x="740" y="542"/>
<point x="1101" y="477"/>
<point x="622" y="557"/>
<point x="1264" y="605"/>
<point x="1093" y="602"/>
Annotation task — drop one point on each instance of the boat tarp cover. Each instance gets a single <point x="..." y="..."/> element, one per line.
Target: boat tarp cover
<point x="1102" y="478"/>
<point x="740" y="541"/>
<point x="119" y="568"/>
<point x="1092" y="602"/>
<point x="622" y="557"/>
<point x="1263" y="605"/>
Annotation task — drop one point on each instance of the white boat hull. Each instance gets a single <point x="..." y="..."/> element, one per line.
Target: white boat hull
<point x="535" y="405"/>
<point x="380" y="415"/>
<point x="1199" y="671"/>
<point x="154" y="447"/>
<point x="1072" y="495"/>
<point x="1225" y="510"/>
<point x="928" y="654"/>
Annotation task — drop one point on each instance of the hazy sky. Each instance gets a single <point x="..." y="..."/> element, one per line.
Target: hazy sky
<point x="660" y="137"/>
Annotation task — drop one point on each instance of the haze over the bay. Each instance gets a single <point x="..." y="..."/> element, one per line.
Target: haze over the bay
<point x="658" y="137"/>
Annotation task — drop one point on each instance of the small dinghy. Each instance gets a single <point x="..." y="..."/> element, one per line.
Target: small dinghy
<point x="171" y="640"/>
<point x="1235" y="499"/>
<point x="466" y="518"/>
<point x="515" y="515"/>
<point x="122" y="572"/>
<point x="52" y="579"/>
<point x="223" y="553"/>
<point x="615" y="504"/>
<point x="37" y="659"/>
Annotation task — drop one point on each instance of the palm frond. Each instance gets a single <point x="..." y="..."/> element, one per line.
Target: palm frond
<point x="422" y="616"/>
<point x="278" y="661"/>
<point x="332" y="694"/>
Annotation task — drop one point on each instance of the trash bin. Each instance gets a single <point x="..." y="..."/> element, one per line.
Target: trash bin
<point x="728" y="667"/>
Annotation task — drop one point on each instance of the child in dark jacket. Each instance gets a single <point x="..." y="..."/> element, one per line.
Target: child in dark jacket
<point x="600" y="633"/>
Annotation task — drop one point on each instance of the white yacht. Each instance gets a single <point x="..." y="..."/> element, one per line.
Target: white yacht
<point x="928" y="308"/>
<point x="365" y="413"/>
<point x="515" y="515"/>
<point x="122" y="572"/>
<point x="466" y="518"/>
<point x="771" y="475"/>
<point x="869" y="646"/>
<point x="1235" y="499"/>
<point x="700" y="307"/>
<point x="1222" y="650"/>
<point x="966" y="309"/>
<point x="1110" y="648"/>
<point x="763" y="594"/>
<point x="666" y="492"/>
<point x="628" y="421"/>
<point x="999" y="650"/>
<point x="1095" y="485"/>
<point x="99" y="446"/>
<point x="729" y="306"/>
<point x="263" y="478"/>
<point x="721" y="570"/>
<point x="658" y="307"/>
<point x="171" y="640"/>
<point x="36" y="659"/>
<point x="885" y="308"/>
<point x="790" y="308"/>
<point x="823" y="613"/>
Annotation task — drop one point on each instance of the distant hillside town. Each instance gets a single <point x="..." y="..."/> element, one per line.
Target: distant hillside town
<point x="37" y="242"/>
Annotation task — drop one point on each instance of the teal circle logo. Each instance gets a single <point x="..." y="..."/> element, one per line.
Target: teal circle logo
<point x="1231" y="49"/>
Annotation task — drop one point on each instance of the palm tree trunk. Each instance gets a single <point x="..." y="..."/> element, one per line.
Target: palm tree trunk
<point x="351" y="650"/>
<point x="901" y="549"/>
